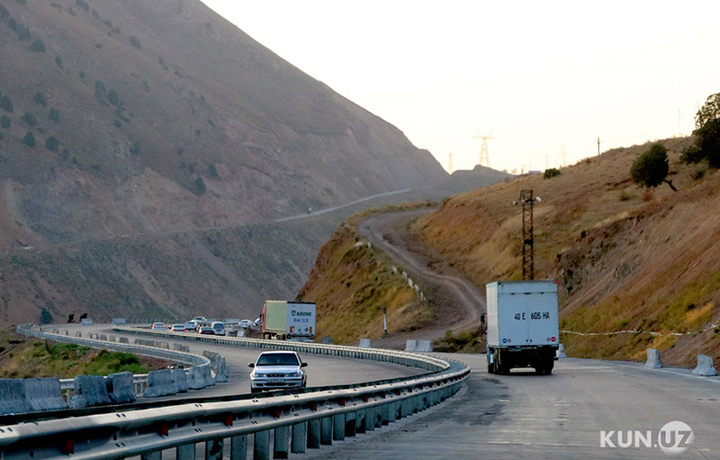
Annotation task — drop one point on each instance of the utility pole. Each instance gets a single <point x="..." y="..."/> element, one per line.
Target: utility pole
<point x="528" y="250"/>
<point x="450" y="165"/>
<point x="598" y="143"/>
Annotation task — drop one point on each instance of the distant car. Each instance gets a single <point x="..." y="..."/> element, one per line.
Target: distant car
<point x="178" y="328"/>
<point x="190" y="326"/>
<point x="199" y="319"/>
<point x="218" y="327"/>
<point x="158" y="325"/>
<point x="246" y="323"/>
<point x="277" y="369"/>
<point x="258" y="322"/>
<point x="206" y="330"/>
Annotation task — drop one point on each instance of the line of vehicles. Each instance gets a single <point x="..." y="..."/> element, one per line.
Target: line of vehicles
<point x="280" y="320"/>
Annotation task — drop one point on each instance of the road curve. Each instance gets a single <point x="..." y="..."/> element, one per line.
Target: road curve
<point x="322" y="370"/>
<point x="460" y="303"/>
<point x="560" y="416"/>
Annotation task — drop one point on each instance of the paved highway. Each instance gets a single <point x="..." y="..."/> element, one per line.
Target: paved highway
<point x="322" y="370"/>
<point x="561" y="416"/>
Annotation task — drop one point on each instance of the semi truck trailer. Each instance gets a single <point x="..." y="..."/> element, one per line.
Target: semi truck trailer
<point x="288" y="320"/>
<point x="522" y="325"/>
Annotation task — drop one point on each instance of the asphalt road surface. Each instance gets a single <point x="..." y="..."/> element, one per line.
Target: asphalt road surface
<point x="321" y="370"/>
<point x="560" y="416"/>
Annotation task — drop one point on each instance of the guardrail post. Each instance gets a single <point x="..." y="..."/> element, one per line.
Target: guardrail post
<point x="214" y="449"/>
<point x="238" y="447"/>
<point x="299" y="440"/>
<point x="339" y="427"/>
<point x="350" y="424"/>
<point x="326" y="428"/>
<point x="152" y="456"/>
<point x="261" y="446"/>
<point x="280" y="444"/>
<point x="360" y="421"/>
<point x="313" y="434"/>
<point x="186" y="452"/>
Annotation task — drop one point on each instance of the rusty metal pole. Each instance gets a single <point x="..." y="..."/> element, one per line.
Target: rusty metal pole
<point x="528" y="253"/>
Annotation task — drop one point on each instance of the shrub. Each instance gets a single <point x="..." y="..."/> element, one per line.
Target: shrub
<point x="45" y="317"/>
<point x="40" y="99"/>
<point x="707" y="134"/>
<point x="29" y="119"/>
<point x="625" y="195"/>
<point x="82" y="5"/>
<point x="114" y="98"/>
<point x="651" y="168"/>
<point x="4" y="13"/>
<point x="54" y="114"/>
<point x="13" y="24"/>
<point x="95" y="14"/>
<point x="199" y="186"/>
<point x="117" y="123"/>
<point x="212" y="170"/>
<point x="101" y="93"/>
<point x="6" y="103"/>
<point x="23" y="32"/>
<point x="146" y="87"/>
<point x="135" y="149"/>
<point x="52" y="143"/>
<point x="29" y="139"/>
<point x="82" y="74"/>
<point x="5" y="122"/>
<point x="59" y="61"/>
<point x="134" y="41"/>
<point x="551" y="172"/>
<point x="38" y="46"/>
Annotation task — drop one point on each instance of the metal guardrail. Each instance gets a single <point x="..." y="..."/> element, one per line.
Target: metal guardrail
<point x="296" y="422"/>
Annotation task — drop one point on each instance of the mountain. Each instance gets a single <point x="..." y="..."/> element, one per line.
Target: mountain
<point x="146" y="149"/>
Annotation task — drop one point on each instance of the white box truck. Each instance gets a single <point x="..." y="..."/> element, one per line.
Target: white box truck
<point x="522" y="325"/>
<point x="288" y="320"/>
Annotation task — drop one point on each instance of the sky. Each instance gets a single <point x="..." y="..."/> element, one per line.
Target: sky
<point x="543" y="79"/>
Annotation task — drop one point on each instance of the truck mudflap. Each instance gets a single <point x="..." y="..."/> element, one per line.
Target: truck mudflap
<point x="502" y="359"/>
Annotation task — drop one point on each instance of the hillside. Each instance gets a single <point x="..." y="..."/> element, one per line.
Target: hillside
<point x="626" y="259"/>
<point x="139" y="138"/>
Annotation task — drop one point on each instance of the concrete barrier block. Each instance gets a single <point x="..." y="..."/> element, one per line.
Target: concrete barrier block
<point x="44" y="394"/>
<point x="120" y="387"/>
<point x="200" y="377"/>
<point x="123" y="340"/>
<point x="411" y="345"/>
<point x="424" y="346"/>
<point x="705" y="366"/>
<point x="365" y="343"/>
<point x="160" y="383"/>
<point x="78" y="334"/>
<point x="12" y="395"/>
<point x="561" y="352"/>
<point x="221" y="371"/>
<point x="118" y="321"/>
<point x="653" y="359"/>
<point x="327" y="340"/>
<point x="180" y="379"/>
<point x="90" y="390"/>
<point x="181" y="347"/>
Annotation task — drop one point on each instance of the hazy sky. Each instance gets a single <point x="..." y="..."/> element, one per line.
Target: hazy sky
<point x="542" y="76"/>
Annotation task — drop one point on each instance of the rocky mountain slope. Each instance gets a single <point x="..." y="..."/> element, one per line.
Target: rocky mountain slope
<point x="146" y="147"/>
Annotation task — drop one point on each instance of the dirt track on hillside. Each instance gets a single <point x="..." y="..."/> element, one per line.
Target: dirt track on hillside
<point x="458" y="303"/>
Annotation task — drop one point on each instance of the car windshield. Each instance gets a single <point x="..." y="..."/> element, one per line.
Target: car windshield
<point x="277" y="360"/>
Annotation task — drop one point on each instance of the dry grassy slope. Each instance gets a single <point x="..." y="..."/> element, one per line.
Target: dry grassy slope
<point x="352" y="281"/>
<point x="624" y="260"/>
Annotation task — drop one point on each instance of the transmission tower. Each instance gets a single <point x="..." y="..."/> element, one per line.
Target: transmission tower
<point x="484" y="153"/>
<point x="528" y="251"/>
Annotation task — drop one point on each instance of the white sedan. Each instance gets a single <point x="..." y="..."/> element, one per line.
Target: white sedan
<point x="277" y="370"/>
